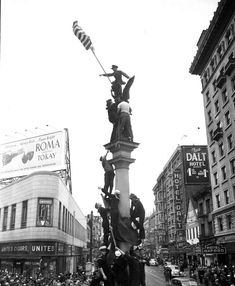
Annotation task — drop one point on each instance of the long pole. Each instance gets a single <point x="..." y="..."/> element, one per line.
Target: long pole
<point x="100" y="64"/>
<point x="91" y="234"/>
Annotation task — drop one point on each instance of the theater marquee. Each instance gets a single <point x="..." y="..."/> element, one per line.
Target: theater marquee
<point x="22" y="157"/>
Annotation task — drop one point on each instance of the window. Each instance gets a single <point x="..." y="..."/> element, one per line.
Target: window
<point x="5" y="216"/>
<point x="216" y="106"/>
<point x="226" y="197"/>
<point x="209" y="116"/>
<point x="44" y="215"/>
<point x="221" y="149"/>
<point x="210" y="230"/>
<point x="229" y="36"/>
<point x="232" y="166"/>
<point x="229" y="221"/>
<point x="59" y="216"/>
<point x="217" y="200"/>
<point x="214" y="85"/>
<point x="203" y="229"/>
<point x="211" y="135"/>
<point x="233" y="83"/>
<point x="24" y="214"/>
<point x="215" y="178"/>
<point x="223" y="171"/>
<point x="200" y="208"/>
<point x="212" y="64"/>
<point x="220" y="51"/>
<point x="213" y="156"/>
<point x="63" y="218"/>
<point x="13" y="216"/>
<point x="230" y="141"/>
<point x="207" y="96"/>
<point x="208" y="207"/>
<point x="220" y="223"/>
<point x="227" y="118"/>
<point x="224" y="95"/>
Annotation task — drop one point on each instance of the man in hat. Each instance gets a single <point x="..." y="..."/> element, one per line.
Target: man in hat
<point x="108" y="174"/>
<point x="118" y="82"/>
<point x="113" y="201"/>
<point x="137" y="213"/>
<point x="105" y="222"/>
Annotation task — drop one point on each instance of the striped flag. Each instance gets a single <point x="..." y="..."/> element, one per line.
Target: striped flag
<point x="82" y="36"/>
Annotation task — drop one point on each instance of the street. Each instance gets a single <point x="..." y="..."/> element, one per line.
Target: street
<point x="154" y="276"/>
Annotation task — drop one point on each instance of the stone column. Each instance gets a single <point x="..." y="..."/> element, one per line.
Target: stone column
<point x="121" y="152"/>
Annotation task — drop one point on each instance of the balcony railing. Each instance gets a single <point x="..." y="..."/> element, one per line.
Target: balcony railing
<point x="217" y="134"/>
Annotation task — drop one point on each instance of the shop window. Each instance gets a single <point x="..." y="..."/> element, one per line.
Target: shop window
<point x="229" y="221"/>
<point x="226" y="197"/>
<point x="24" y="214"/>
<point x="223" y="171"/>
<point x="13" y="217"/>
<point x="5" y="216"/>
<point x="230" y="141"/>
<point x="44" y="215"/>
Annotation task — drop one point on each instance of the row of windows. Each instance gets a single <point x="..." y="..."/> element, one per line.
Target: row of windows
<point x="224" y="172"/>
<point x="12" y="208"/>
<point x="66" y="221"/>
<point x="216" y="58"/>
<point x="221" y="148"/>
<point x="208" y="207"/>
<point x="225" y="225"/>
<point x="227" y="199"/>
<point x="192" y="233"/>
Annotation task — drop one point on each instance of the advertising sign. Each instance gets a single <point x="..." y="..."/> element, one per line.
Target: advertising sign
<point x="177" y="190"/>
<point x="196" y="164"/>
<point x="22" y="157"/>
<point x="216" y="249"/>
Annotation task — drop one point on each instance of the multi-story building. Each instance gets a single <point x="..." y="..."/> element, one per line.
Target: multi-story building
<point x="214" y="62"/>
<point x="42" y="229"/>
<point x="185" y="175"/>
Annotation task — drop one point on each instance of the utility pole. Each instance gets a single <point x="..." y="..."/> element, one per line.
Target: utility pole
<point x="91" y="235"/>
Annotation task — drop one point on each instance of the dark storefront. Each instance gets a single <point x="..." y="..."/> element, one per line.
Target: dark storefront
<point x="32" y="257"/>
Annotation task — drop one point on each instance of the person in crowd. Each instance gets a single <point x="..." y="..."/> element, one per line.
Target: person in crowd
<point x="104" y="213"/>
<point x="108" y="174"/>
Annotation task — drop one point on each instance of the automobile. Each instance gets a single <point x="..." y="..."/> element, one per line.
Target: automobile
<point x="183" y="281"/>
<point x="175" y="270"/>
<point x="153" y="262"/>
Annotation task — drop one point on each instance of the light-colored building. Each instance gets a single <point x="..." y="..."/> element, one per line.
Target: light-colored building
<point x="42" y="229"/>
<point x="214" y="62"/>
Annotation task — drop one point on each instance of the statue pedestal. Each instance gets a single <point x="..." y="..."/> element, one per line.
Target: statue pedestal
<point x="121" y="151"/>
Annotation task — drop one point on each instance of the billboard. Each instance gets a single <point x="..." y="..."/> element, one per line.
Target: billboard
<point x="196" y="164"/>
<point x="39" y="153"/>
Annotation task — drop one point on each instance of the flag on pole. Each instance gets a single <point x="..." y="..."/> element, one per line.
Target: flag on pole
<point x="82" y="36"/>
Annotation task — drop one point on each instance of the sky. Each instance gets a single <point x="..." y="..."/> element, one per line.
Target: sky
<point x="50" y="82"/>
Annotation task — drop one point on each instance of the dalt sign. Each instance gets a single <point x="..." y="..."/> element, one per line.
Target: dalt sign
<point x="196" y="164"/>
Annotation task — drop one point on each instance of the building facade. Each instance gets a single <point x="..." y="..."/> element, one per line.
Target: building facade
<point x="42" y="229"/>
<point x="184" y="175"/>
<point x="214" y="62"/>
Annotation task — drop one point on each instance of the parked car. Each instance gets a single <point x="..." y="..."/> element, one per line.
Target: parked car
<point x="183" y="281"/>
<point x="153" y="262"/>
<point x="175" y="270"/>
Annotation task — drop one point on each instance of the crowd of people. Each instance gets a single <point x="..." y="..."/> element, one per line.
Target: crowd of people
<point x="13" y="279"/>
<point x="221" y="275"/>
